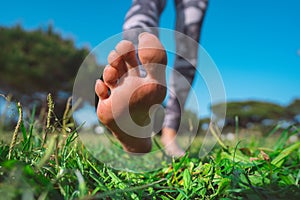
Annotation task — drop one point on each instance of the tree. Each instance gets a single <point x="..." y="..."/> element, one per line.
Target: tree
<point x="293" y="111"/>
<point x="34" y="63"/>
<point x="252" y="112"/>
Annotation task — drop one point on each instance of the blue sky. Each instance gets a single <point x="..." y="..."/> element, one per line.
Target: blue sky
<point x="255" y="44"/>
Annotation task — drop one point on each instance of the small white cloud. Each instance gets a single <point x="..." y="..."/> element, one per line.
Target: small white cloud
<point x="298" y="52"/>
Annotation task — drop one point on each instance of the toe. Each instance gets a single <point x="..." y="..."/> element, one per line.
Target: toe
<point x="152" y="54"/>
<point x="101" y="89"/>
<point x="151" y="50"/>
<point x="117" y="62"/>
<point x="110" y="76"/>
<point x="127" y="50"/>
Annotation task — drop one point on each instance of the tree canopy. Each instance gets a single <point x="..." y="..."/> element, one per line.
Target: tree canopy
<point x="37" y="62"/>
<point x="260" y="113"/>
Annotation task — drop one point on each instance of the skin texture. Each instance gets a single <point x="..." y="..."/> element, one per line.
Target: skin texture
<point x="128" y="90"/>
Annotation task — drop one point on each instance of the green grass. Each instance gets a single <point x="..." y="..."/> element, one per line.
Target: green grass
<point x="53" y="163"/>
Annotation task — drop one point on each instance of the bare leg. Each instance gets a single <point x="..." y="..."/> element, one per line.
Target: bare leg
<point x="190" y="14"/>
<point x="122" y="64"/>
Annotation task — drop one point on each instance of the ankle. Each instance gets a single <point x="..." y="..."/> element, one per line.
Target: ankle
<point x="168" y="135"/>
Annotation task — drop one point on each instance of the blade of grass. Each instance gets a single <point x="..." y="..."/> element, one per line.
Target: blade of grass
<point x="48" y="153"/>
<point x="277" y="161"/>
<point x="237" y="127"/>
<point x="66" y="116"/>
<point x="27" y="139"/>
<point x="15" y="134"/>
<point x="49" y="116"/>
<point x="187" y="180"/>
<point x="284" y="136"/>
<point x="216" y="133"/>
<point x="81" y="184"/>
<point x="297" y="178"/>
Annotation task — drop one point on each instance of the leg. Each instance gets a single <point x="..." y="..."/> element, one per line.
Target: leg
<point x="122" y="78"/>
<point x="143" y="16"/>
<point x="189" y="19"/>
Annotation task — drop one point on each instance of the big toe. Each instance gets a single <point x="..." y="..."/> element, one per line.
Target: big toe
<point x="152" y="55"/>
<point x="151" y="50"/>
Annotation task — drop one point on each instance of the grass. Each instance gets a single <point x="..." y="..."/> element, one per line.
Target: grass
<point x="51" y="162"/>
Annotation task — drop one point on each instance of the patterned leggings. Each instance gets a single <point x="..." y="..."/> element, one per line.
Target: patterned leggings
<point x="145" y="14"/>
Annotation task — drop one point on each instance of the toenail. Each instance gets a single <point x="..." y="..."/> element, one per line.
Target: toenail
<point x="142" y="34"/>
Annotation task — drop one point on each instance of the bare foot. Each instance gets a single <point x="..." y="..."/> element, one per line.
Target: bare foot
<point x="122" y="77"/>
<point x="168" y="139"/>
